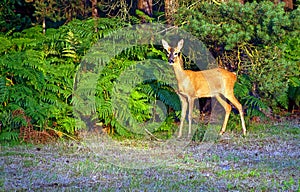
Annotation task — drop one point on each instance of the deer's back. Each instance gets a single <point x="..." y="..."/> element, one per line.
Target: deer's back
<point x="209" y="83"/>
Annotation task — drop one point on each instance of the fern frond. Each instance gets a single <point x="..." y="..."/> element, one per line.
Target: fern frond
<point x="9" y="136"/>
<point x="5" y="45"/>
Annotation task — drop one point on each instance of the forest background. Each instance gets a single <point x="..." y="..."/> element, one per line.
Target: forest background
<point x="42" y="43"/>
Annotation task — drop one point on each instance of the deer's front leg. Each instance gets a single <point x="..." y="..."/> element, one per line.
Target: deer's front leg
<point x="191" y="107"/>
<point x="184" y="104"/>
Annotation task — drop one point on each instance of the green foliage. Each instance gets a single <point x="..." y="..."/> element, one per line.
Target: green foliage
<point x="145" y="17"/>
<point x="34" y="85"/>
<point x="269" y="74"/>
<point x="275" y="71"/>
<point x="294" y="90"/>
<point x="10" y="19"/>
<point x="8" y="126"/>
<point x="291" y="54"/>
<point x="139" y="107"/>
<point x="248" y="97"/>
<point x="96" y="102"/>
<point x="232" y="23"/>
<point x="45" y="9"/>
<point x="37" y="71"/>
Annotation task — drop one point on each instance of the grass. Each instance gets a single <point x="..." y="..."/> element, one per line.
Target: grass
<point x="268" y="159"/>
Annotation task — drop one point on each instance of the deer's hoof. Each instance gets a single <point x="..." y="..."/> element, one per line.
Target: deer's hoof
<point x="244" y="134"/>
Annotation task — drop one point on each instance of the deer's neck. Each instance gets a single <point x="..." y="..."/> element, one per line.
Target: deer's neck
<point x="179" y="71"/>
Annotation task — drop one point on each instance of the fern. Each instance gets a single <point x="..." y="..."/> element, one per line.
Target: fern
<point x="9" y="123"/>
<point x="9" y="136"/>
<point x="5" y="45"/>
<point x="243" y="91"/>
<point x="32" y="81"/>
<point x="37" y="72"/>
<point x="134" y="105"/>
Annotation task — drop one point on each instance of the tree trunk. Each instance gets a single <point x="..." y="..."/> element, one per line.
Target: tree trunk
<point x="171" y="7"/>
<point x="95" y="14"/>
<point x="288" y="4"/>
<point x="44" y="25"/>
<point x="94" y="9"/>
<point x="145" y="6"/>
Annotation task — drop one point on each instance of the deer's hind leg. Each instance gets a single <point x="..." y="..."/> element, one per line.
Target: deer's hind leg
<point x="227" y="108"/>
<point x="238" y="105"/>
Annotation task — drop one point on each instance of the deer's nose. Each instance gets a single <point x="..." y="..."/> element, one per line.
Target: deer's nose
<point x="171" y="59"/>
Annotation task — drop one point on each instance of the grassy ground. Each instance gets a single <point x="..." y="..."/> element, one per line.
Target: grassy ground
<point x="268" y="159"/>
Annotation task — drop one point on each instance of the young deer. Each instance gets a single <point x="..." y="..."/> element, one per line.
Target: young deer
<point x="198" y="84"/>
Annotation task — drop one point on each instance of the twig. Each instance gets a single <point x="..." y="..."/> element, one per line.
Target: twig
<point x="157" y="139"/>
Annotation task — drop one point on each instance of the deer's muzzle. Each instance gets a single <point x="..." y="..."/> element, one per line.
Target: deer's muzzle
<point x="171" y="59"/>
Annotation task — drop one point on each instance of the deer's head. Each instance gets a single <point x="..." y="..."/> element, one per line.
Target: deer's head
<point x="173" y="52"/>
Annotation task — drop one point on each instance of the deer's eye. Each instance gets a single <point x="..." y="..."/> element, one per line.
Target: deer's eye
<point x="175" y="54"/>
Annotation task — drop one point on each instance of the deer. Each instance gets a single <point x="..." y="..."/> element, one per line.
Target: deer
<point x="215" y="82"/>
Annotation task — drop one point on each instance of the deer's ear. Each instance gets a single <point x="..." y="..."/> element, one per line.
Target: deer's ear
<point x="180" y="44"/>
<point x="165" y="45"/>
